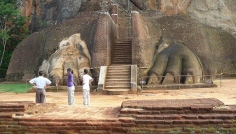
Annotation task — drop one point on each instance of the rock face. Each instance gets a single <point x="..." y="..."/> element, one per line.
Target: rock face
<point x="175" y="59"/>
<point x="72" y="53"/>
<point x="215" y="13"/>
<point x="41" y="46"/>
<point x="202" y="36"/>
<point x="218" y="13"/>
<point x="45" y="13"/>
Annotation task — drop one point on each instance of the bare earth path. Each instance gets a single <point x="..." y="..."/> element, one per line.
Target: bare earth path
<point x="226" y="93"/>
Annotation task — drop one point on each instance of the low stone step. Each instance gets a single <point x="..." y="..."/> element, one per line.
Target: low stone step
<point x="122" y="50"/>
<point x="16" y="102"/>
<point x="118" y="87"/>
<point x="118" y="70"/>
<point x="122" y="47"/>
<point x="118" y="52"/>
<point x="121" y="62"/>
<point x="12" y="110"/>
<point x="117" y="80"/>
<point x="119" y="73"/>
<point x="122" y="58"/>
<point x="11" y="106"/>
<point x="128" y="46"/>
<point x="119" y="77"/>
<point x="122" y="55"/>
<point x="186" y="122"/>
<point x="117" y="91"/>
<point x="113" y="67"/>
<point x="187" y="116"/>
<point x="6" y="115"/>
<point x="124" y="41"/>
<point x="117" y="84"/>
<point x="119" y="66"/>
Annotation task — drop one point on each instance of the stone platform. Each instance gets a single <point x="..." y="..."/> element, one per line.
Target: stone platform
<point x="133" y="117"/>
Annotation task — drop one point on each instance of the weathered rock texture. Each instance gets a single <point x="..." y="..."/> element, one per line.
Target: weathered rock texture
<point x="210" y="45"/>
<point x="215" y="13"/>
<point x="205" y="28"/>
<point x="45" y="13"/>
<point x="173" y="60"/>
<point x="39" y="46"/>
<point x="72" y="53"/>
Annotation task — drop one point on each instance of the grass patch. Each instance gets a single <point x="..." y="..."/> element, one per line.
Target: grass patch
<point x="16" y="88"/>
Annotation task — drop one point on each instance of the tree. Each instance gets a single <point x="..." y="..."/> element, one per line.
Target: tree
<point x="12" y="30"/>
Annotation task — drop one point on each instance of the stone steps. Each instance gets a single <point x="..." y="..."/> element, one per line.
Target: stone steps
<point x="121" y="62"/>
<point x="11" y="107"/>
<point x="118" y="79"/>
<point x="117" y="74"/>
<point x="126" y="83"/>
<point x="122" y="53"/>
<point x="127" y="87"/>
<point x="117" y="91"/>
<point x="179" y="116"/>
<point x="220" y="118"/>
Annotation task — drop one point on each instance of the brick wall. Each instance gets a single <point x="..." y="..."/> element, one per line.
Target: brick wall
<point x="105" y="36"/>
<point x="134" y="116"/>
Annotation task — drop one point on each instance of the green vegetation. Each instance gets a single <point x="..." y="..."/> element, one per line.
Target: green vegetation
<point x="13" y="30"/>
<point x="17" y="88"/>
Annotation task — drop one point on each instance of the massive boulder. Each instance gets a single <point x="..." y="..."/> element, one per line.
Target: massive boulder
<point x="43" y="13"/>
<point x="40" y="46"/>
<point x="72" y="53"/>
<point x="202" y="32"/>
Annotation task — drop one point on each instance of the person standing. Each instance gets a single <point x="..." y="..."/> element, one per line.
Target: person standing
<point x="86" y="89"/>
<point x="40" y="83"/>
<point x="70" y="86"/>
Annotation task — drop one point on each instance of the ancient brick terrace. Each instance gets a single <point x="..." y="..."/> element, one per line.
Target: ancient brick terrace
<point x="133" y="117"/>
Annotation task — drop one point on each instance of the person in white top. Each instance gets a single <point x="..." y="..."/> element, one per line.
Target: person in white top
<point x="86" y="89"/>
<point x="40" y="83"/>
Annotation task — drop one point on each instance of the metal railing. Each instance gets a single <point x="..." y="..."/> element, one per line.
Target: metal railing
<point x="203" y="79"/>
<point x="58" y="83"/>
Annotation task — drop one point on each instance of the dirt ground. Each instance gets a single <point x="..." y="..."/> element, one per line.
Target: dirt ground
<point x="226" y="93"/>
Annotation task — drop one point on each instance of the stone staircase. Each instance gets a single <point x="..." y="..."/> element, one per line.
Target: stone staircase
<point x="122" y="50"/>
<point x="122" y="53"/>
<point x="118" y="76"/>
<point x="118" y="79"/>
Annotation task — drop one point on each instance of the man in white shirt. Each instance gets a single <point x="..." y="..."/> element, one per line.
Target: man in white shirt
<point x="40" y="83"/>
<point x="86" y="89"/>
